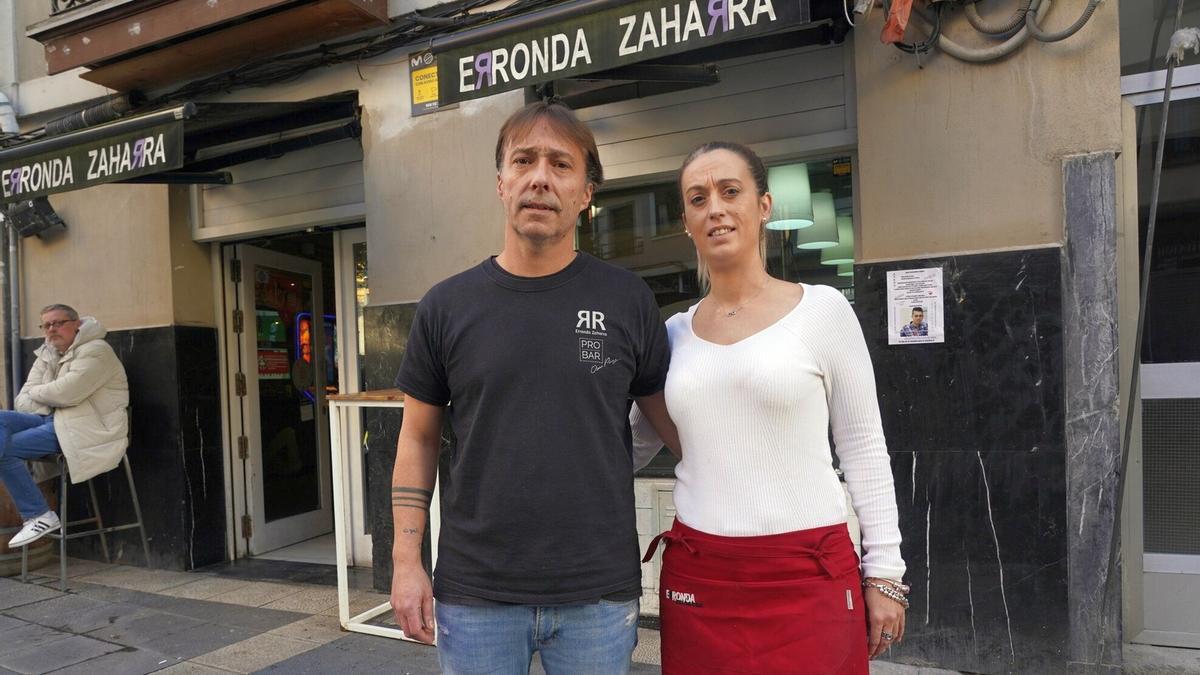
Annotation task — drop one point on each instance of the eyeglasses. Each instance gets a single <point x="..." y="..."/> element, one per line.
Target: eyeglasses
<point x="55" y="324"/>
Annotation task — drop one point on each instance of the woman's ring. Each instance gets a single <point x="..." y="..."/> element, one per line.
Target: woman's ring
<point x="887" y="636"/>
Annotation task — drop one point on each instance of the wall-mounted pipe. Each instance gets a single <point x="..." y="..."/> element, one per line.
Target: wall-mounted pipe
<point x="15" y="367"/>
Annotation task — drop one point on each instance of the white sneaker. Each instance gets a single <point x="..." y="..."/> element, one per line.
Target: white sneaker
<point x="36" y="528"/>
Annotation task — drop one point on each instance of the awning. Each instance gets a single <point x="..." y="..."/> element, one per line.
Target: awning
<point x="180" y="144"/>
<point x="590" y="36"/>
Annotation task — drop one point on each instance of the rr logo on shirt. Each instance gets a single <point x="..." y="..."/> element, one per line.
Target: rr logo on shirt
<point x="590" y="320"/>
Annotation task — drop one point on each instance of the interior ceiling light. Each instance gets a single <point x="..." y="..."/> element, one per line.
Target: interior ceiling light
<point x="843" y="253"/>
<point x="793" y="208"/>
<point x="846" y="270"/>
<point x="824" y="232"/>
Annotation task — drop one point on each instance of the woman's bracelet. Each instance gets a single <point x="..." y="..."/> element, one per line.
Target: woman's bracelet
<point x="894" y="590"/>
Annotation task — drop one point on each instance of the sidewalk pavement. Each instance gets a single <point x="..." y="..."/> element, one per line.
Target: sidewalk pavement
<point x="117" y="619"/>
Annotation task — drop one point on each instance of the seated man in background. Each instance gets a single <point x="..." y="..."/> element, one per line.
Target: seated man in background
<point x="73" y="402"/>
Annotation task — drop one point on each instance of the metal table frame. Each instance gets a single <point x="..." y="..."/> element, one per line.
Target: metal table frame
<point x="339" y="408"/>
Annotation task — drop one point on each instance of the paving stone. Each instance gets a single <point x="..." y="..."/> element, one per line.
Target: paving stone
<point x="114" y="594"/>
<point x="319" y="629"/>
<point x="59" y="654"/>
<point x="360" y="601"/>
<point x="648" y="649"/>
<point x="310" y="600"/>
<point x="202" y="639"/>
<point x="205" y="587"/>
<point x="192" y="668"/>
<point x="127" y="661"/>
<point x="7" y="622"/>
<point x="145" y="627"/>
<point x="138" y="578"/>
<point x="15" y="593"/>
<point x="358" y="653"/>
<point x="71" y="613"/>
<point x="257" y="594"/>
<point x="256" y="619"/>
<point x="255" y="653"/>
<point x="31" y="635"/>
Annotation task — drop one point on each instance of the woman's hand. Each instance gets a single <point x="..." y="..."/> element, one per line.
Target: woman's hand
<point x="884" y="616"/>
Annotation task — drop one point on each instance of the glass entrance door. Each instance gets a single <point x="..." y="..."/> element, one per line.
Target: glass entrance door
<point x="1170" y="374"/>
<point x="287" y="358"/>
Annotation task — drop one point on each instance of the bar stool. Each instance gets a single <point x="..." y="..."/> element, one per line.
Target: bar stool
<point x="100" y="529"/>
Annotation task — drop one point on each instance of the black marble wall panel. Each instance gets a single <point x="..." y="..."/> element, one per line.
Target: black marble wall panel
<point x="175" y="451"/>
<point x="1092" y="410"/>
<point x="386" y="330"/>
<point x="386" y="334"/>
<point x="976" y="430"/>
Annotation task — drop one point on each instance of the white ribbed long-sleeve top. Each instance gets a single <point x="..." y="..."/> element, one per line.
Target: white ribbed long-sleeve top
<point x="754" y="419"/>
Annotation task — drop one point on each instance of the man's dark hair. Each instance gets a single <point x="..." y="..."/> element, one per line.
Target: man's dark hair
<point x="563" y="120"/>
<point x="919" y="309"/>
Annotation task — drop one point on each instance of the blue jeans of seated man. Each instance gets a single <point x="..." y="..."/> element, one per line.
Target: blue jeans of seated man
<point x="594" y="639"/>
<point x="25" y="436"/>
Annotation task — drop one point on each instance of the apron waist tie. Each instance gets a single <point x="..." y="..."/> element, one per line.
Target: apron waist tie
<point x="819" y="553"/>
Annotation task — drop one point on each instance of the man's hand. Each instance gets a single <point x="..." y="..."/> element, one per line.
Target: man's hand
<point x="412" y="601"/>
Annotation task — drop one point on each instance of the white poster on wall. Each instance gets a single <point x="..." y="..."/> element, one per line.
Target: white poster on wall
<point x="916" y="313"/>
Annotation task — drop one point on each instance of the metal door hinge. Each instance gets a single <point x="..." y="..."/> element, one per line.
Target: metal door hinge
<point x="239" y="384"/>
<point x="238" y="321"/>
<point x="235" y="271"/>
<point x="247" y="527"/>
<point x="243" y="447"/>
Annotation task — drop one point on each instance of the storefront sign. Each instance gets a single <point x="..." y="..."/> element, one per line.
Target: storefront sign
<point x="423" y="82"/>
<point x="136" y="153"/>
<point x="633" y="32"/>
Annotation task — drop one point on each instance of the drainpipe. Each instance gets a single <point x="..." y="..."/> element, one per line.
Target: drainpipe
<point x="8" y="270"/>
<point x="12" y="274"/>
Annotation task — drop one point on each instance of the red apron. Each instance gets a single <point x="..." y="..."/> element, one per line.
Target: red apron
<point x="783" y="603"/>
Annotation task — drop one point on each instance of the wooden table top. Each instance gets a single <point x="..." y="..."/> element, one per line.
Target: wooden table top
<point x="374" y="395"/>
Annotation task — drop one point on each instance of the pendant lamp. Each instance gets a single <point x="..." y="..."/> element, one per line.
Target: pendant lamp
<point x="843" y="253"/>
<point x="845" y="270"/>
<point x="824" y="233"/>
<point x="792" y="209"/>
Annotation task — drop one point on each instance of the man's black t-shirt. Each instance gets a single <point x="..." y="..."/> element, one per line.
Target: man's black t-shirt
<point x="538" y="504"/>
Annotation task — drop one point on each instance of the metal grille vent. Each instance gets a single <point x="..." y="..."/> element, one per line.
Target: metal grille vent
<point x="1171" y="461"/>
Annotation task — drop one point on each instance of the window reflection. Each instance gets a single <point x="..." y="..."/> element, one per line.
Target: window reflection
<point x="1146" y="27"/>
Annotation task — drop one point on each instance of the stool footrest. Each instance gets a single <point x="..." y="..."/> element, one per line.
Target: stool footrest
<point x="90" y="533"/>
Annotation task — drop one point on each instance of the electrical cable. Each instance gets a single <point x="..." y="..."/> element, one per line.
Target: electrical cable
<point x="1112" y="581"/>
<point x="1002" y="29"/>
<point x="971" y="55"/>
<point x="1043" y="36"/>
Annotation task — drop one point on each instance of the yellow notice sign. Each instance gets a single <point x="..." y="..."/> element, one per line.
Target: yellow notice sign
<point x="424" y="83"/>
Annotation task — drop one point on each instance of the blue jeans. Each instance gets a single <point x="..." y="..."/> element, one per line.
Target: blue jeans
<point x="596" y="639"/>
<point x="25" y="436"/>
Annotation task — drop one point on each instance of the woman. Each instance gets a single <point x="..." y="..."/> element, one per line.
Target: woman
<point x="759" y="573"/>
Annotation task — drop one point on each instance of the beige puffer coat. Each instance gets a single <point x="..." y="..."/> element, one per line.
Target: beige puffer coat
<point x="86" y="391"/>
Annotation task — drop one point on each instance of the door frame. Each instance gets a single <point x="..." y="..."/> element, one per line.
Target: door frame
<point x="241" y="498"/>
<point x="359" y="549"/>
<point x="1138" y="91"/>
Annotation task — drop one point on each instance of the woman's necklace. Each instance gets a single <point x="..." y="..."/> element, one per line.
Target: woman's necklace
<point x="737" y="309"/>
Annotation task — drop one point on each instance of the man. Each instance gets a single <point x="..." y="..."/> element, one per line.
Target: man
<point x="73" y="402"/>
<point x="916" y="327"/>
<point x="540" y="349"/>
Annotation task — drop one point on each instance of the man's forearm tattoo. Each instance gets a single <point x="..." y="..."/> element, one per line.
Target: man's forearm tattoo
<point x="411" y="498"/>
